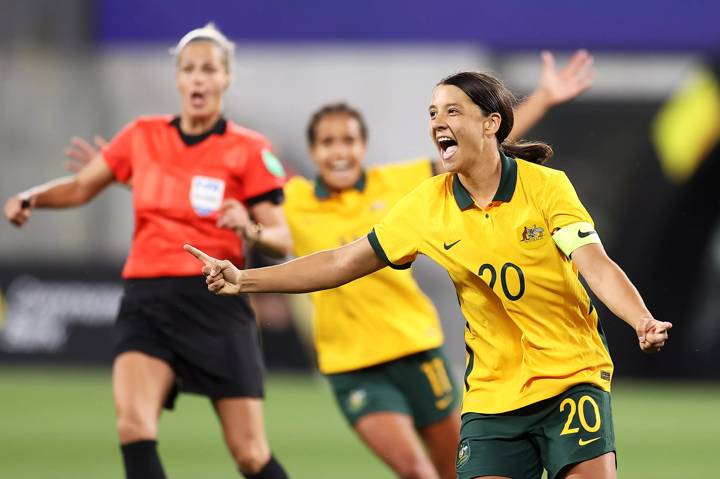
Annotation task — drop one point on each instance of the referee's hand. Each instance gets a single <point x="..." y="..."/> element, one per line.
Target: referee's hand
<point x="17" y="210"/>
<point x="221" y="276"/>
<point x="652" y="334"/>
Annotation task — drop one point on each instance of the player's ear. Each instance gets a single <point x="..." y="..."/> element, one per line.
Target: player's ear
<point x="491" y="124"/>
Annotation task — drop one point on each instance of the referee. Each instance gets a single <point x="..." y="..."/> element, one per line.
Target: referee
<point x="186" y="172"/>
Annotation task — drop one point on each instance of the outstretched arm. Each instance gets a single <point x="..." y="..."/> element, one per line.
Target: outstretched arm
<point x="556" y="87"/>
<point x="615" y="290"/>
<point x="60" y="193"/>
<point x="324" y="270"/>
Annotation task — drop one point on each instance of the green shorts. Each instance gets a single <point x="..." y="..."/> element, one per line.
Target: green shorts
<point x="572" y="427"/>
<point x="420" y="385"/>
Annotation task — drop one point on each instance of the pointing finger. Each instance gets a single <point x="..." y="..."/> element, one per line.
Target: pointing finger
<point x="199" y="254"/>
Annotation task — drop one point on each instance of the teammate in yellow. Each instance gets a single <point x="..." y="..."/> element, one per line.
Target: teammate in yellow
<point x="512" y="235"/>
<point x="378" y="339"/>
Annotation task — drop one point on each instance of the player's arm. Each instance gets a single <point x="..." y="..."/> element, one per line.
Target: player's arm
<point x="614" y="289"/>
<point x="323" y="270"/>
<point x="60" y="193"/>
<point x="555" y="87"/>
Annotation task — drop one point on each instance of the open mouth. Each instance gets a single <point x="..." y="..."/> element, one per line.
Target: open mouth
<point x="448" y="146"/>
<point x="340" y="165"/>
<point x="197" y="99"/>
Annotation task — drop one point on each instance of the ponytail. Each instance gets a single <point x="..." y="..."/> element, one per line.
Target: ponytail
<point x="534" y="152"/>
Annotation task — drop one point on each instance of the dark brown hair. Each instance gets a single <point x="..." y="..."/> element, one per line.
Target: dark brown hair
<point x="331" y="109"/>
<point x="491" y="96"/>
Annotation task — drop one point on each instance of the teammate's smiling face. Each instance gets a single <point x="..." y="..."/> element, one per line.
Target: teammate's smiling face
<point x="202" y="78"/>
<point x="462" y="133"/>
<point x="338" y="150"/>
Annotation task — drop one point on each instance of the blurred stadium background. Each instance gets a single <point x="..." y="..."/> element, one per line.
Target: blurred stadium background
<point x="641" y="148"/>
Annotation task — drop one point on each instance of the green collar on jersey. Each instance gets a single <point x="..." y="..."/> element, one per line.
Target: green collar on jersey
<point x="323" y="191"/>
<point x="508" y="180"/>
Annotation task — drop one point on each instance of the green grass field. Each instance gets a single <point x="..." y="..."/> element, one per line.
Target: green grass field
<point x="58" y="423"/>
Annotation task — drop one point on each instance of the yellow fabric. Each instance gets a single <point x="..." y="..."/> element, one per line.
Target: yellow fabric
<point x="533" y="334"/>
<point x="378" y="318"/>
<point x="688" y="126"/>
<point x="571" y="237"/>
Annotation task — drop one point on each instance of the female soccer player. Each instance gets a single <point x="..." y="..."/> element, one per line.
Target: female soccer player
<point x="185" y="170"/>
<point x="389" y="376"/>
<point x="378" y="340"/>
<point x="512" y="235"/>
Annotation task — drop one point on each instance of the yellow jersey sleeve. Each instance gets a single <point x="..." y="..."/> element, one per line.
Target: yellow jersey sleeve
<point x="569" y="221"/>
<point x="396" y="239"/>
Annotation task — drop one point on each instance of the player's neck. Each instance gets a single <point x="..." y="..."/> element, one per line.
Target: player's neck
<point x="194" y="125"/>
<point x="482" y="178"/>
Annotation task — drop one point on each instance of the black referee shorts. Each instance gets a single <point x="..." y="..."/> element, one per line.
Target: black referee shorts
<point x="211" y="342"/>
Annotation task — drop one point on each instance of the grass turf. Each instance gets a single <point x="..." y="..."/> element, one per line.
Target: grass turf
<point x="59" y="423"/>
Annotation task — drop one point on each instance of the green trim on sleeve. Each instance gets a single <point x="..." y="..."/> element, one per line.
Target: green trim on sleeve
<point x="375" y="243"/>
<point x="571" y="237"/>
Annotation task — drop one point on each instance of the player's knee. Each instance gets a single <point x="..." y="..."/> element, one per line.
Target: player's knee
<point x="250" y="458"/>
<point x="132" y="427"/>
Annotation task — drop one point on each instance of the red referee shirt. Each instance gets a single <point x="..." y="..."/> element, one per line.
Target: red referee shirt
<point x="178" y="190"/>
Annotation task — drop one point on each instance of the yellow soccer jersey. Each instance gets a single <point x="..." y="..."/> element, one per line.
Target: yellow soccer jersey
<point x="531" y="330"/>
<point x="377" y="318"/>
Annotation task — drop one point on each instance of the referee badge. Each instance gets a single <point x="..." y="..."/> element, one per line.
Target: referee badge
<point x="206" y="194"/>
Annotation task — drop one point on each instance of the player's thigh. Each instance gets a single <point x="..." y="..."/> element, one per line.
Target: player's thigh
<point x="366" y="391"/>
<point x="601" y="467"/>
<point x="577" y="428"/>
<point x="140" y="385"/>
<point x="428" y="385"/>
<point x="372" y="402"/>
<point x="427" y="382"/>
<point x="441" y="440"/>
<point x="392" y="437"/>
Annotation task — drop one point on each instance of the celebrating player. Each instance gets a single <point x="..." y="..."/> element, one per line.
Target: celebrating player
<point x="512" y="235"/>
<point x="185" y="171"/>
<point x="379" y="339"/>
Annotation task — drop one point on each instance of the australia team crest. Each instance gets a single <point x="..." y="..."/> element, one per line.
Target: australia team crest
<point x="532" y="233"/>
